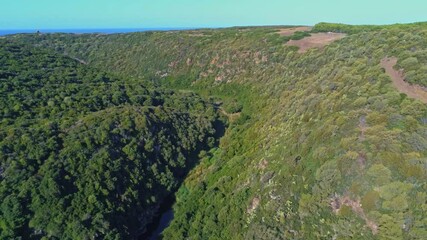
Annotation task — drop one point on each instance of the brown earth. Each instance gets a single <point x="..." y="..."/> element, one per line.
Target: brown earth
<point x="290" y="31"/>
<point x="398" y="79"/>
<point x="316" y="40"/>
<point x="254" y="205"/>
<point x="263" y="164"/>
<point x="338" y="201"/>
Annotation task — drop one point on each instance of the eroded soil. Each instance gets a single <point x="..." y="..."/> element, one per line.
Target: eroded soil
<point x="398" y="79"/>
<point x="316" y="40"/>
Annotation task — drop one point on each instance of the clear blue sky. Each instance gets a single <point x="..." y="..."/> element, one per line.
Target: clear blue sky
<point x="54" y="14"/>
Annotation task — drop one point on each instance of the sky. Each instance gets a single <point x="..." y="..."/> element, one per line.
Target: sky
<point x="82" y="14"/>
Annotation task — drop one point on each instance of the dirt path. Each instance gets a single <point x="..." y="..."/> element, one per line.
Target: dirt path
<point x="79" y="60"/>
<point x="290" y="31"/>
<point x="316" y="40"/>
<point x="398" y="79"/>
<point x="338" y="201"/>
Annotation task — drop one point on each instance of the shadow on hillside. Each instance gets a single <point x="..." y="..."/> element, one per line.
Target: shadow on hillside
<point x="165" y="214"/>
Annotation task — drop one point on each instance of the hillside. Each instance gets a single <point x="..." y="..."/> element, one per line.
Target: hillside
<point x="325" y="146"/>
<point x="88" y="155"/>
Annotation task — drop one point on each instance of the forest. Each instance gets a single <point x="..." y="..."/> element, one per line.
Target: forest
<point x="318" y="145"/>
<point x="85" y="154"/>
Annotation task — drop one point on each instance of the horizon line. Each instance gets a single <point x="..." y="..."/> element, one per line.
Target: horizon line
<point x="196" y="28"/>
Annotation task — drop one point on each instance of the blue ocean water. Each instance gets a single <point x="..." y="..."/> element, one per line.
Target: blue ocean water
<point x="4" y="32"/>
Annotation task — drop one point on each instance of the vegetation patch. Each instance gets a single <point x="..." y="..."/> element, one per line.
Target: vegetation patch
<point x="85" y="154"/>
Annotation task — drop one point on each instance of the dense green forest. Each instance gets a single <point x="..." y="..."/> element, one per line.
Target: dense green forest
<point x="85" y="154"/>
<point x="320" y="145"/>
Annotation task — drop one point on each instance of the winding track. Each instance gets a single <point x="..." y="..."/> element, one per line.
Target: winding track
<point x="398" y="79"/>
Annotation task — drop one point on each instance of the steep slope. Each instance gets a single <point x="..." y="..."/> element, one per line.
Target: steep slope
<point x="87" y="155"/>
<point x="325" y="146"/>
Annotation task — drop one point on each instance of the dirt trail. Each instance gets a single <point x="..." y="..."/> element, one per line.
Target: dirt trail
<point x="81" y="61"/>
<point x="316" y="40"/>
<point x="398" y="79"/>
<point x="338" y="201"/>
<point x="290" y="31"/>
<point x="361" y="159"/>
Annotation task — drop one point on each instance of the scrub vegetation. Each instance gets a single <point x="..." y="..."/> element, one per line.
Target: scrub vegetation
<point x="321" y="144"/>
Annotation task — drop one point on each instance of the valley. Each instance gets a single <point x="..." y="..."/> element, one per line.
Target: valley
<point x="259" y="133"/>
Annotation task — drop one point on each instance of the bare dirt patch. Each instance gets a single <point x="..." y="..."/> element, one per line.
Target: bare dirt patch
<point x="338" y="201"/>
<point x="197" y="35"/>
<point x="254" y="205"/>
<point x="316" y="40"/>
<point x="290" y="31"/>
<point x="263" y="164"/>
<point x="80" y="61"/>
<point x="398" y="79"/>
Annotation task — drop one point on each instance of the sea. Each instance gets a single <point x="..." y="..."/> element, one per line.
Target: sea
<point x="4" y="32"/>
